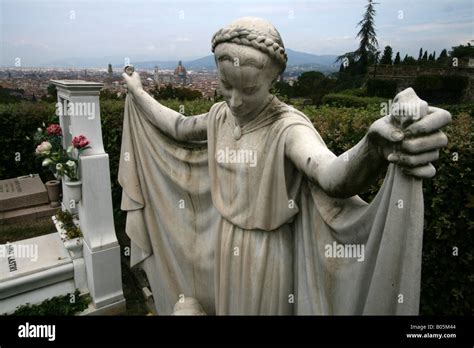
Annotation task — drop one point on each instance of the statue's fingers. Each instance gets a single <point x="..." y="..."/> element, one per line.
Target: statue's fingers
<point x="425" y="143"/>
<point x="436" y="119"/>
<point x="125" y="76"/>
<point x="384" y="129"/>
<point x="423" y="172"/>
<point x="406" y="160"/>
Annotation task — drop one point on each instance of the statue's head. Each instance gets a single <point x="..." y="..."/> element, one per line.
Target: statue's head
<point x="250" y="56"/>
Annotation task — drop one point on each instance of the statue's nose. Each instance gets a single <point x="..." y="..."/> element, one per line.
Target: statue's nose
<point x="235" y="100"/>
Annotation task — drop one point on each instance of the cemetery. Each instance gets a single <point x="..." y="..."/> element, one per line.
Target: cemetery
<point x="340" y="194"/>
<point x="88" y="262"/>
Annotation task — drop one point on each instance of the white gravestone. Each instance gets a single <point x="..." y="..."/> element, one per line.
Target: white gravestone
<point x="80" y="115"/>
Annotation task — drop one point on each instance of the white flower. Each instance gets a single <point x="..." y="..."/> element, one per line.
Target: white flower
<point x="47" y="162"/>
<point x="59" y="167"/>
<point x="71" y="164"/>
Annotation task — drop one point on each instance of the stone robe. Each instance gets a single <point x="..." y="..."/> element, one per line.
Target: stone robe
<point x="232" y="223"/>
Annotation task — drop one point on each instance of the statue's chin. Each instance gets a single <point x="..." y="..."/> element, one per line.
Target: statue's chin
<point x="237" y="114"/>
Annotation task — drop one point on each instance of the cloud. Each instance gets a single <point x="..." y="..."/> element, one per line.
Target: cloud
<point x="183" y="39"/>
<point x="438" y="26"/>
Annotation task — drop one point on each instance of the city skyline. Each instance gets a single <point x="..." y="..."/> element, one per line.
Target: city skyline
<point x="41" y="32"/>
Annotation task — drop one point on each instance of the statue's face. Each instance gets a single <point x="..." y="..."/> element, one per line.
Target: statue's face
<point x="245" y="78"/>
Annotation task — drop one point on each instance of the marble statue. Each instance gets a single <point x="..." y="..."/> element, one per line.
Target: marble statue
<point x="245" y="209"/>
<point x="188" y="306"/>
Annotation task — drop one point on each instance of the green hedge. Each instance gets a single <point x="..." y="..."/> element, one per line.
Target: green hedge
<point x="447" y="280"/>
<point x="346" y="100"/>
<point x="381" y="88"/>
<point x="17" y="122"/>
<point x="441" y="89"/>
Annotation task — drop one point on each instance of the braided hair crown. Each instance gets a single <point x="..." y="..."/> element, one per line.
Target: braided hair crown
<point x="257" y="33"/>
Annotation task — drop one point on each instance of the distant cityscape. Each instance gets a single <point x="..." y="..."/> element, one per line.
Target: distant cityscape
<point x="34" y="82"/>
<point x="199" y="74"/>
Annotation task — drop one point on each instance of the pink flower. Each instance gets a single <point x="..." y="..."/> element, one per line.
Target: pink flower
<point x="44" y="148"/>
<point x="54" y="129"/>
<point x="80" y="142"/>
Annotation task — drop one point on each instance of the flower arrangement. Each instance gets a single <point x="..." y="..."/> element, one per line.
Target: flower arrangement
<point x="63" y="163"/>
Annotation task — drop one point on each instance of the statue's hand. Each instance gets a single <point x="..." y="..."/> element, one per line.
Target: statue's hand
<point x="421" y="144"/>
<point x="410" y="136"/>
<point x="132" y="82"/>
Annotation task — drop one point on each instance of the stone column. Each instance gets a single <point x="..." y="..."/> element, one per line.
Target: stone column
<point x="79" y="102"/>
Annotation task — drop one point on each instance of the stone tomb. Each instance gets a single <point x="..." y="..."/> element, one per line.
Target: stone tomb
<point x="23" y="198"/>
<point x="34" y="269"/>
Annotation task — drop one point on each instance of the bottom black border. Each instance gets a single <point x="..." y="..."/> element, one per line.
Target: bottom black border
<point x="135" y="331"/>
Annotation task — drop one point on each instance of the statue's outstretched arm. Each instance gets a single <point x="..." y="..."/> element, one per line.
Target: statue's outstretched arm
<point x="411" y="143"/>
<point x="170" y="122"/>
<point x="343" y="176"/>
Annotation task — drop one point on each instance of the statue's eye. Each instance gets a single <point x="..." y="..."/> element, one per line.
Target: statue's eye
<point x="250" y="90"/>
<point x="226" y="84"/>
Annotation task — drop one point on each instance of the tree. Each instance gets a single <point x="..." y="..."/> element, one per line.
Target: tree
<point x="367" y="51"/>
<point x="368" y="38"/>
<point x="420" y="55"/>
<point x="307" y="83"/>
<point x="52" y="93"/>
<point x="387" y="55"/>
<point x="180" y="93"/>
<point x="462" y="51"/>
<point x="425" y="56"/>
<point x="397" y="59"/>
<point x="409" y="60"/>
<point x="443" y="55"/>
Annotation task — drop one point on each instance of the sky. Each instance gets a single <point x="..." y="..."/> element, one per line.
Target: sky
<point x="42" y="31"/>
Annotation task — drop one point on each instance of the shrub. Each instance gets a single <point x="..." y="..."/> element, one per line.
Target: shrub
<point x="357" y="92"/>
<point x="18" y="124"/>
<point x="441" y="89"/>
<point x="180" y="93"/>
<point x="66" y="220"/>
<point x="343" y="100"/>
<point x="381" y="88"/>
<point x="59" y="305"/>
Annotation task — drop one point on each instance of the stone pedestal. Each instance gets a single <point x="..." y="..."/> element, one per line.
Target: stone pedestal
<point x="79" y="103"/>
